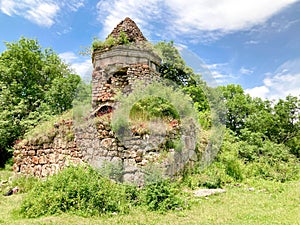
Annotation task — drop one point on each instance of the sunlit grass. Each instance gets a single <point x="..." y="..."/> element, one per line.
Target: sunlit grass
<point x="269" y="203"/>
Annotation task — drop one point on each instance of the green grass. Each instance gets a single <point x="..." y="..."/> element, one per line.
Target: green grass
<point x="269" y="203"/>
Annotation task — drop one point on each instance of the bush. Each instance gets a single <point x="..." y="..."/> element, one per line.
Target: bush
<point x="162" y="196"/>
<point x="122" y="39"/>
<point x="85" y="192"/>
<point x="214" y="176"/>
<point x="234" y="169"/>
<point x="151" y="108"/>
<point x="80" y="190"/>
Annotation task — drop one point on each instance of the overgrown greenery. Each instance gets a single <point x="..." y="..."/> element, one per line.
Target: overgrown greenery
<point x="174" y="68"/>
<point x="174" y="100"/>
<point x="151" y="108"/>
<point x="110" y="42"/>
<point x="80" y="190"/>
<point x="162" y="195"/>
<point x="34" y="84"/>
<point x="262" y="137"/>
<point x="238" y="161"/>
<point x="45" y="131"/>
<point x="269" y="203"/>
<point x="84" y="191"/>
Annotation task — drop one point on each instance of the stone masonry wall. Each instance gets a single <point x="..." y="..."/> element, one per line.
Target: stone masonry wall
<point x="46" y="155"/>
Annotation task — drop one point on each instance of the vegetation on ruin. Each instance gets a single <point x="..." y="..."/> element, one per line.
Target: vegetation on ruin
<point x="47" y="130"/>
<point x="258" y="162"/>
<point x="151" y="108"/>
<point x="110" y="41"/>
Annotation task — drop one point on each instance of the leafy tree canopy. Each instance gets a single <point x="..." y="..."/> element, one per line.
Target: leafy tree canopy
<point x="255" y="120"/>
<point x="34" y="83"/>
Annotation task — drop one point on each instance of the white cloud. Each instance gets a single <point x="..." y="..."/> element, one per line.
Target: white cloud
<point x="68" y="57"/>
<point x="223" y="15"/>
<point x="7" y="7"/>
<point x="261" y="91"/>
<point x="252" y="42"/>
<point x="42" y="13"/>
<point x="245" y="71"/>
<point x="201" y="18"/>
<point x="84" y="69"/>
<point x="64" y="31"/>
<point x="285" y="81"/>
<point x="221" y="73"/>
<point x="81" y="65"/>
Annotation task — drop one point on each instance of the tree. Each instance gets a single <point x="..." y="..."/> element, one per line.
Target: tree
<point x="287" y="116"/>
<point x="34" y="83"/>
<point x="256" y="120"/>
<point x="238" y="107"/>
<point x="174" y="68"/>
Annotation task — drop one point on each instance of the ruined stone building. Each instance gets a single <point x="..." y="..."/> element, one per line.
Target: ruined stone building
<point x="116" y="70"/>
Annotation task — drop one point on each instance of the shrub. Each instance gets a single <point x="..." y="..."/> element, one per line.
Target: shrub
<point x="162" y="196"/>
<point x="153" y="107"/>
<point x="234" y="169"/>
<point x="80" y="190"/>
<point x="214" y="176"/>
<point x="122" y="39"/>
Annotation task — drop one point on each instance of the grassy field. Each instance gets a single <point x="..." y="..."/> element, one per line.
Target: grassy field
<point x="268" y="203"/>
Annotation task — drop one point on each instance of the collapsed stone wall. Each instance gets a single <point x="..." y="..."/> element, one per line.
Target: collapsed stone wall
<point x="135" y="153"/>
<point x="49" y="153"/>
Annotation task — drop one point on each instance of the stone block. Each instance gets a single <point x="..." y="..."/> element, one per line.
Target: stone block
<point x="39" y="152"/>
<point x="107" y="142"/>
<point x="138" y="159"/>
<point x="42" y="160"/>
<point x="35" y="160"/>
<point x="112" y="153"/>
<point x="74" y="154"/>
<point x="45" y="171"/>
<point x="24" y="152"/>
<point x="31" y="153"/>
<point x="17" y="152"/>
<point x="53" y="158"/>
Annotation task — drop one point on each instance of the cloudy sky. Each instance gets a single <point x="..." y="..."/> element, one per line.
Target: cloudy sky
<point x="252" y="43"/>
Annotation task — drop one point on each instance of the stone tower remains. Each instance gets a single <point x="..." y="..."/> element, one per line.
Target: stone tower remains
<point x="116" y="70"/>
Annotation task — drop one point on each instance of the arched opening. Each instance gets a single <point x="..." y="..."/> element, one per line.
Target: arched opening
<point x="106" y="109"/>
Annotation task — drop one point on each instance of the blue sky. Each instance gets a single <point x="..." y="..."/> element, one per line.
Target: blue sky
<point x="253" y="43"/>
